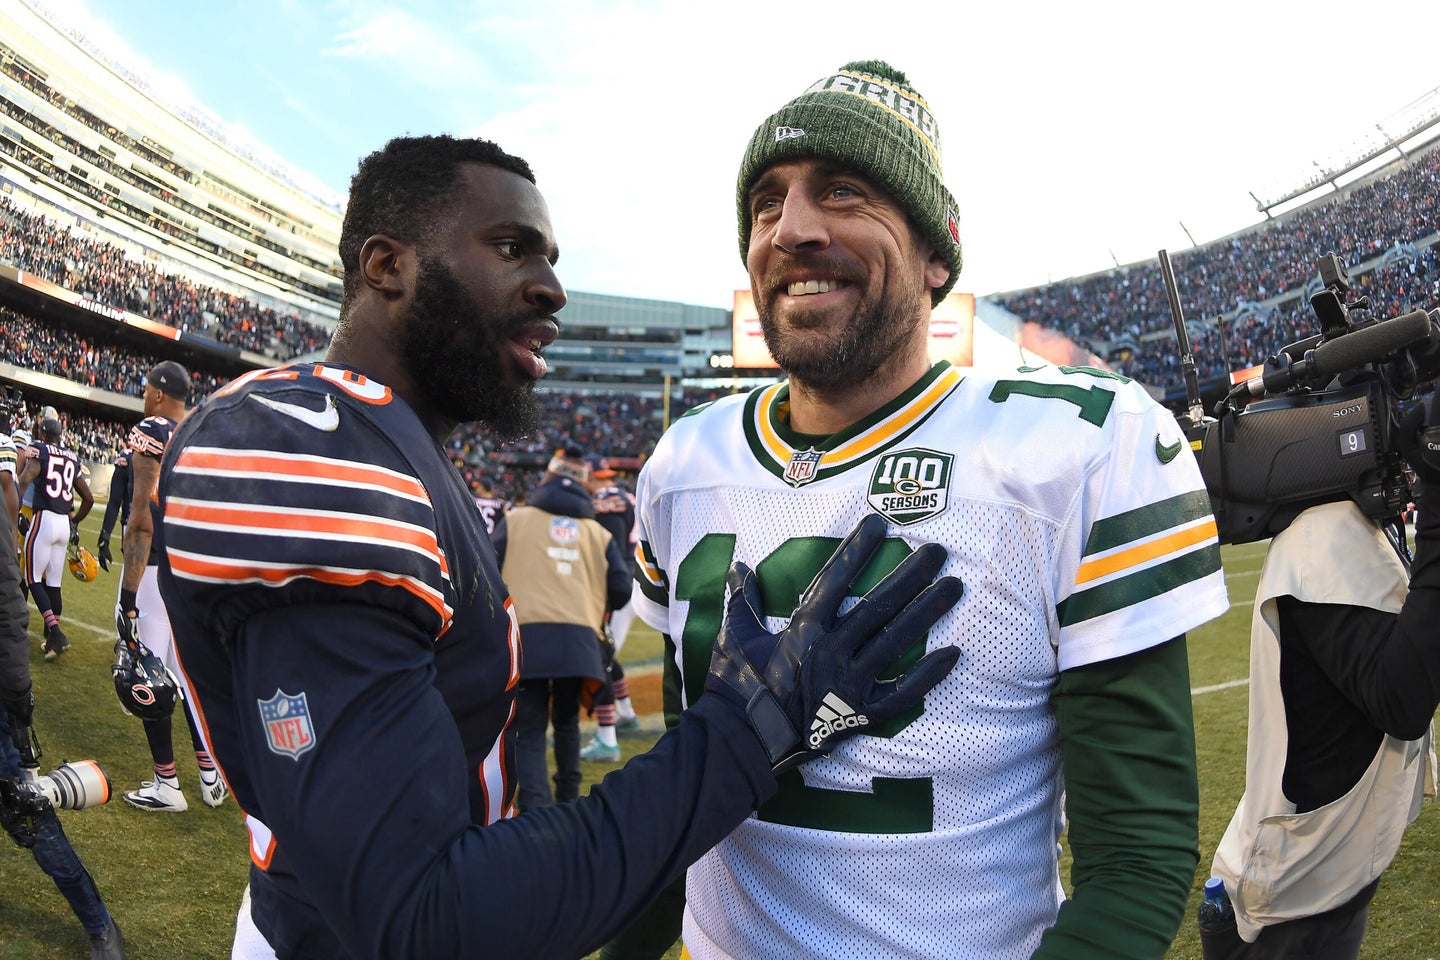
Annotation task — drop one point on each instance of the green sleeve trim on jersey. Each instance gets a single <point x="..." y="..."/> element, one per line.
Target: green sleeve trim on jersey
<point x="1127" y="741"/>
<point x="1146" y="521"/>
<point x="1138" y="587"/>
<point x="654" y="592"/>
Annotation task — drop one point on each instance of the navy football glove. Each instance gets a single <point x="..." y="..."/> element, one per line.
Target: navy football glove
<point x="104" y="555"/>
<point x="21" y="708"/>
<point x="816" y="682"/>
<point x="74" y="532"/>
<point x="22" y="523"/>
<point x="127" y="618"/>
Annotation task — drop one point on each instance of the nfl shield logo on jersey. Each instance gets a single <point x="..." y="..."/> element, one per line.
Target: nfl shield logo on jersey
<point x="802" y="467"/>
<point x="287" y="724"/>
<point x="908" y="486"/>
<point x="564" y="530"/>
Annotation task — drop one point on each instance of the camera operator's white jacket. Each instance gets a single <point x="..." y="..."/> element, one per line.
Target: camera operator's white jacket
<point x="1281" y="865"/>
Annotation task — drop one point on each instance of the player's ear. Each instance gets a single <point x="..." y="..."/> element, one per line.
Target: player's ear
<point x="937" y="271"/>
<point x="384" y="265"/>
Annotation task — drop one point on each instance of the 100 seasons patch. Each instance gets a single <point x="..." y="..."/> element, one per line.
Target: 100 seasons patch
<point x="908" y="486"/>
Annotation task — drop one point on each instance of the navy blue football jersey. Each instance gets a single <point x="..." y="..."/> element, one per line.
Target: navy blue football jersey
<point x="148" y="438"/>
<point x="615" y="509"/>
<point x="54" y="487"/>
<point x="492" y="509"/>
<point x="353" y="653"/>
<point x="122" y="489"/>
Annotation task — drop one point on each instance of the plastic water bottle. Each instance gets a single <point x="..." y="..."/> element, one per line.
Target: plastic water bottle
<point x="1216" y="913"/>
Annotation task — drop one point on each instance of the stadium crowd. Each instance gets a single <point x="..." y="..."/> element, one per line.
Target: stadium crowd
<point x="1218" y="279"/>
<point x="604" y="426"/>
<point x="99" y="362"/>
<point x="105" y="273"/>
<point x="1246" y="340"/>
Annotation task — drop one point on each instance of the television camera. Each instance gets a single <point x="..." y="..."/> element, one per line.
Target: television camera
<point x="70" y="786"/>
<point x="12" y="406"/>
<point x="1318" y="424"/>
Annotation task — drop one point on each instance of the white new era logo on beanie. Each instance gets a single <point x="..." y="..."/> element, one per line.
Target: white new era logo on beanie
<point x="788" y="133"/>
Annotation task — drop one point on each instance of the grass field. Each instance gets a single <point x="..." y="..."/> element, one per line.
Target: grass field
<point x="174" y="881"/>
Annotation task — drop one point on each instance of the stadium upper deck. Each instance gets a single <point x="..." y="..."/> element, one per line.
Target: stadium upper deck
<point x="1246" y="295"/>
<point x="97" y="134"/>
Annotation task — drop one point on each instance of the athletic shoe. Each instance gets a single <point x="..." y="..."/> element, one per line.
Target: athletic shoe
<point x="627" y="723"/>
<point x="596" y="750"/>
<point x="213" y="792"/>
<point x="55" y="642"/>
<point x="157" y="795"/>
<point x="109" y="945"/>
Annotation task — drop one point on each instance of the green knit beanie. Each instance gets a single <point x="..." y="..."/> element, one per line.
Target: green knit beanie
<point x="867" y="117"/>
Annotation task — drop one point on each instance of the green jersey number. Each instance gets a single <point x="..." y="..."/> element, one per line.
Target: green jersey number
<point x="895" y="805"/>
<point x="1094" y="401"/>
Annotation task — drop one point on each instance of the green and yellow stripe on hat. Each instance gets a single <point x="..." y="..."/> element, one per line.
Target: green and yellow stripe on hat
<point x="868" y="118"/>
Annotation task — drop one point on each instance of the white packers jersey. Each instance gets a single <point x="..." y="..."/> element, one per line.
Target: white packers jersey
<point x="1074" y="514"/>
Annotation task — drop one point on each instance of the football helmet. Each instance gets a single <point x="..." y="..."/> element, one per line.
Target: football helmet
<point x="145" y="686"/>
<point x="83" y="565"/>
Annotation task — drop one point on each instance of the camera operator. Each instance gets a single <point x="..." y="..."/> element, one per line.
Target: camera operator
<point x="1344" y="681"/>
<point x="41" y="832"/>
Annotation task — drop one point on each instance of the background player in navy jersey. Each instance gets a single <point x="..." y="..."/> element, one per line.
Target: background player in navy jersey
<point x="23" y="446"/>
<point x="52" y="472"/>
<point x="354" y="651"/>
<point x="117" y="508"/>
<point x="140" y="613"/>
<point x="491" y="507"/>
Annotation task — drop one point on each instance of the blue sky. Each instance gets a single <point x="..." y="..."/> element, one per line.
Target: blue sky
<point x="1071" y="132"/>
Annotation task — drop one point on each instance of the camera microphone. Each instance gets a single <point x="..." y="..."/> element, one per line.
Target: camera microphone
<point x="1338" y="354"/>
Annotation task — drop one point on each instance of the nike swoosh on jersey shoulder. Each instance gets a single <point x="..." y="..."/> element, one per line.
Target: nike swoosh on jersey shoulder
<point x="302" y="509"/>
<point x="326" y="419"/>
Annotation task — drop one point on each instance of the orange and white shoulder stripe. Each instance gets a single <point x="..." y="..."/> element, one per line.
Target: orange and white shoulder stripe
<point x="299" y="468"/>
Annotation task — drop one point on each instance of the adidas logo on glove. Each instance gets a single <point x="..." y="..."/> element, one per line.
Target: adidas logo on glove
<point x="833" y="716"/>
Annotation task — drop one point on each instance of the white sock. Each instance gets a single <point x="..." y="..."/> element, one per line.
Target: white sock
<point x="606" y="735"/>
<point x="624" y="708"/>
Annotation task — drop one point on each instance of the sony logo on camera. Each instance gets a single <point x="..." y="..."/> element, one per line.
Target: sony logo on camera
<point x="1346" y="411"/>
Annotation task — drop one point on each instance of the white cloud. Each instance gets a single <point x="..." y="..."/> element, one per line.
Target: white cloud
<point x="426" y="53"/>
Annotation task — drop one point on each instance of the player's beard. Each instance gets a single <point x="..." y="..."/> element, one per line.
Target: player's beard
<point x="458" y="357"/>
<point x="876" y="333"/>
